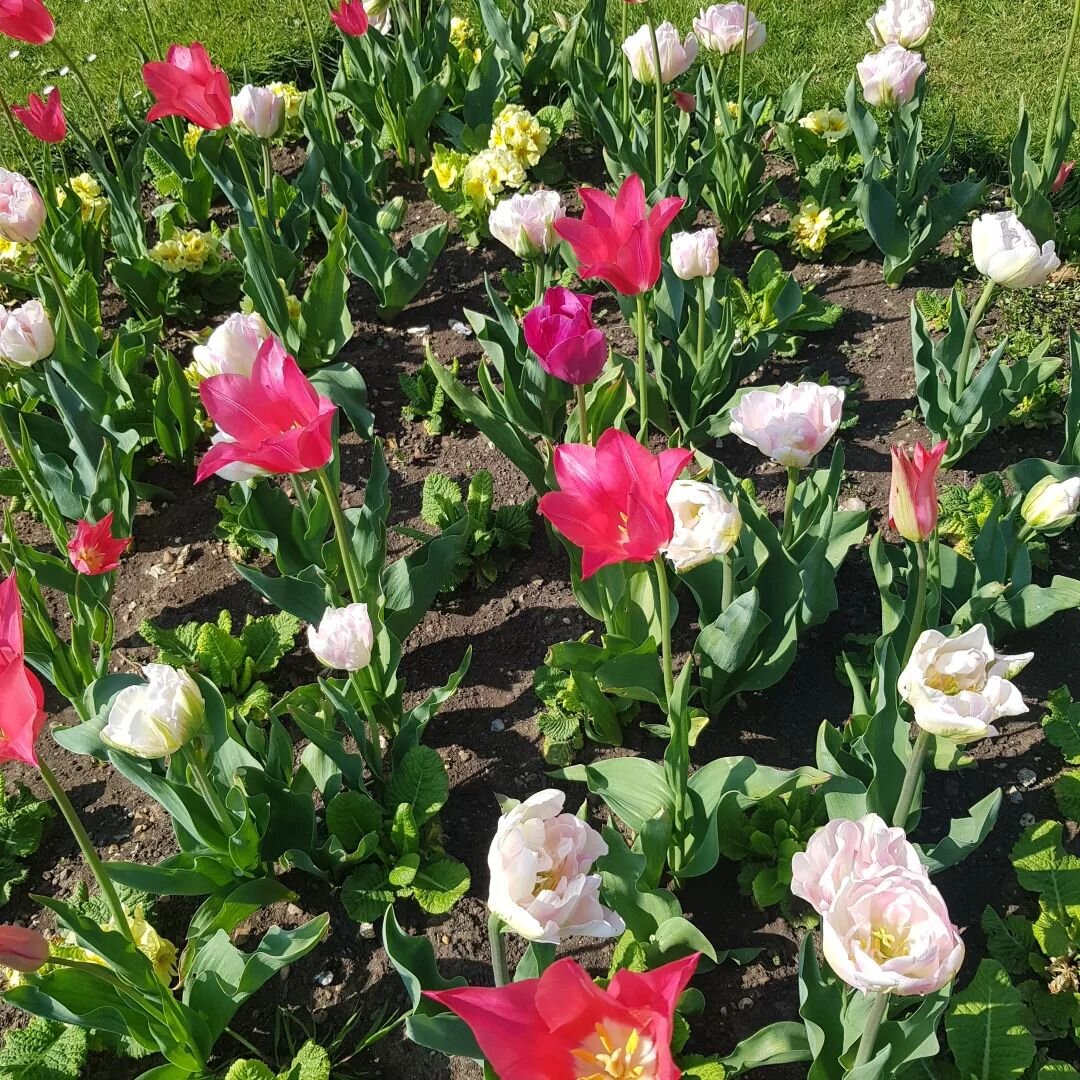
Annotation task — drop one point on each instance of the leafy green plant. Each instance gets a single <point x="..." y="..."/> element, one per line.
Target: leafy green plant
<point x="22" y="819"/>
<point x="964" y="511"/>
<point x="311" y="1063"/>
<point x="43" y="1050"/>
<point x="427" y="401"/>
<point x="1061" y="724"/>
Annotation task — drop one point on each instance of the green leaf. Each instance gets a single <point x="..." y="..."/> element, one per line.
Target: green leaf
<point x="43" y="1050"/>
<point x="312" y="1062"/>
<point x="1062" y="723"/>
<point x="1010" y="941"/>
<point x="350" y="816"/>
<point x="1043" y="866"/>
<point x="481" y="497"/>
<point x="1067" y="794"/>
<point x="403" y="832"/>
<point x="267" y="639"/>
<point x="441" y="502"/>
<point x="420" y="781"/>
<point x="248" y="1070"/>
<point x="366" y="894"/>
<point x="22" y="819"/>
<point x="440" y="885"/>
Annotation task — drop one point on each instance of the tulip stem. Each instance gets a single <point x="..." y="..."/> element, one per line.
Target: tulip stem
<point x="918" y="615"/>
<point x="977" y="312"/>
<point x="303" y="499"/>
<point x="625" y="67"/>
<point x="190" y="757"/>
<point x="701" y="324"/>
<point x="95" y="108"/>
<point x="86" y="846"/>
<point x="911" y="779"/>
<point x="16" y="138"/>
<point x="320" y="78"/>
<point x="374" y="732"/>
<point x="742" y="57"/>
<point x="539" y="280"/>
<point x="151" y="29"/>
<point x="341" y="533"/>
<point x="658" y="80"/>
<point x="498" y="951"/>
<point x="873" y="1022"/>
<point x="665" y="625"/>
<point x="268" y="174"/>
<point x="582" y="415"/>
<point x="260" y="218"/>
<point x="729" y="581"/>
<point x="47" y="257"/>
<point x="1059" y="90"/>
<point x="642" y="373"/>
<point x="789" y="505"/>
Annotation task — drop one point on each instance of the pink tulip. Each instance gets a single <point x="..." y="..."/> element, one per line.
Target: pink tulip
<point x="22" y="212"/>
<point x="612" y="499"/>
<point x="618" y="239"/>
<point x="1062" y="177"/>
<point x="686" y="102"/>
<point x="94" y="550"/>
<point x="187" y="84"/>
<point x="277" y="420"/>
<point x="891" y="76"/>
<point x="789" y="425"/>
<point x="21" y="697"/>
<point x="22" y="949"/>
<point x="351" y="18"/>
<point x="564" y="337"/>
<point x="44" y="120"/>
<point x="27" y="20"/>
<point x="913" y="501"/>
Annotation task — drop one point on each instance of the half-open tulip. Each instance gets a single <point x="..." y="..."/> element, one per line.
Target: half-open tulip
<point x="891" y="76"/>
<point x="1006" y="251"/>
<point x="22" y="949"/>
<point x="26" y="334"/>
<point x="1051" y="503"/>
<point x="566" y="341"/>
<point x="526" y="223"/>
<point x="695" y="254"/>
<point x="21" y="697"/>
<point x="233" y="346"/>
<point x="707" y="524"/>
<point x="187" y="84"/>
<point x="93" y="549"/>
<point x="154" y="719"/>
<point x="259" y="111"/>
<point x="277" y="420"/>
<point x="344" y="638"/>
<point x="913" y="500"/>
<point x="789" y="425"/>
<point x="720" y="29"/>
<point x="22" y="211"/>
<point x="618" y="239"/>
<point x="44" y="120"/>
<point x="676" y="54"/>
<point x="902" y="22"/>
<point x="27" y="20"/>
<point x="563" y="1025"/>
<point x="351" y="18"/>
<point x="612" y="499"/>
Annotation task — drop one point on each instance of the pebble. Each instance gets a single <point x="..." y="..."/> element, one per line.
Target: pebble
<point x="418" y="331"/>
<point x="497" y="725"/>
<point x="854" y="504"/>
<point x="294" y="911"/>
<point x="367" y="931"/>
<point x="1014" y="795"/>
<point x="324" y="978"/>
<point x="460" y="328"/>
<point x="1026" y="821"/>
<point x="445" y="940"/>
<point x="1026" y="778"/>
<point x="746" y="1003"/>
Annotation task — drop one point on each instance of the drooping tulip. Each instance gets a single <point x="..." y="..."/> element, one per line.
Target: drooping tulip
<point x="45" y="120"/>
<point x="902" y="22"/>
<point x="618" y="239"/>
<point x="789" y="425"/>
<point x="22" y="949"/>
<point x="695" y="254"/>
<point x="187" y="84"/>
<point x="707" y="524"/>
<point x="612" y="499"/>
<point x="913" y="499"/>
<point x="22" y="699"/>
<point x="351" y="18"/>
<point x="344" y="638"/>
<point x="276" y="419"/>
<point x="720" y="29"/>
<point x="526" y="223"/>
<point x="233" y="346"/>
<point x="561" y="332"/>
<point x="22" y="211"/>
<point x="1062" y="177"/>
<point x="154" y="719"/>
<point x="26" y="334"/>
<point x="258" y="111"/>
<point x="676" y="54"/>
<point x="27" y="20"/>
<point x="1052" y="503"/>
<point x="1006" y="251"/>
<point x="563" y="1025"/>
<point x="93" y="549"/>
<point x="890" y="76"/>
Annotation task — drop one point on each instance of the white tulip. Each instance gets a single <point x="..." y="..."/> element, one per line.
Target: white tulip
<point x="676" y="55"/>
<point x="707" y="525"/>
<point x="1052" y="502"/>
<point x="890" y="77"/>
<point x="1008" y="254"/>
<point x="155" y="718"/>
<point x="258" y="111"/>
<point x="526" y="223"/>
<point x="789" y="425"/>
<point x="720" y="29"/>
<point x="902" y="22"/>
<point x="26" y="334"/>
<point x="344" y="638"/>
<point x="232" y="348"/>
<point x="695" y="254"/>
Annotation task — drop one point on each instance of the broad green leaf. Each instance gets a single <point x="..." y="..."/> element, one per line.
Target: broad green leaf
<point x="419" y="781"/>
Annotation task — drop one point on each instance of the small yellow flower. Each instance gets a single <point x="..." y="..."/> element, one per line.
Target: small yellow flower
<point x="191" y="141"/>
<point x="295" y="307"/>
<point x="810" y="227"/>
<point x="461" y="34"/>
<point x="291" y="95"/>
<point x="733" y="110"/>
<point x="517" y="130"/>
<point x="167" y="255"/>
<point x="11" y="254"/>
<point x="195" y="248"/>
<point x="489" y="173"/>
<point x="831" y="124"/>
<point x="447" y="166"/>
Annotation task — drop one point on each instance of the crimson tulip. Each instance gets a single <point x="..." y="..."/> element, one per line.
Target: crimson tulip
<point x="350" y="18"/>
<point x="686" y="102"/>
<point x="612" y="499"/>
<point x="27" y="20"/>
<point x="22" y="700"/>
<point x="273" y="420"/>
<point x="913" y="501"/>
<point x="562" y="1025"/>
<point x="45" y="120"/>
<point x="187" y="84"/>
<point x="22" y="949"/>
<point x="93" y="549"/>
<point x="566" y="341"/>
<point x="1062" y="177"/>
<point x="618" y="239"/>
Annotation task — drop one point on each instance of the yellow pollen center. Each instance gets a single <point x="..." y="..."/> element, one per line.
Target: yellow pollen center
<point x="887" y="945"/>
<point x="616" y="1053"/>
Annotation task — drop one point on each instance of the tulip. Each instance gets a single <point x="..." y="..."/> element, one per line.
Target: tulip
<point x="93" y="549"/>
<point x="890" y="933"/>
<point x="26" y="334"/>
<point x="276" y="419"/>
<point x="22" y="212"/>
<point x="187" y="84"/>
<point x="21" y="697"/>
<point x="1062" y="177"/>
<point x="563" y="1025"/>
<point x="707" y="525"/>
<point x="913" y="501"/>
<point x="958" y="686"/>
<point x="618" y="239"/>
<point x="695" y="255"/>
<point x="845" y="849"/>
<point x="156" y="718"/>
<point x="890" y="77"/>
<point x="344" y="638"/>
<point x="566" y="341"/>
<point x="351" y="18"/>
<point x="232" y="348"/>
<point x="258" y="111"/>
<point x="684" y="101"/>
<point x="1008" y="254"/>
<point x="612" y="499"/>
<point x="44" y="120"/>
<point x="540" y="860"/>
<point x="27" y="20"/>
<point x="676" y="55"/>
<point x="526" y="223"/>
<point x="391" y="216"/>
<point x="720" y="29"/>
<point x="902" y="22"/>
<point x="1052" y="503"/>
<point x="790" y="425"/>
<point x="22" y="949"/>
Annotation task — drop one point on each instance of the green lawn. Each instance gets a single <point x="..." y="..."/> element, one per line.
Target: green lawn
<point x="983" y="55"/>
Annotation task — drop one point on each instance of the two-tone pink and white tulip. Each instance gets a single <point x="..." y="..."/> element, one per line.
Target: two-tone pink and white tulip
<point x="695" y="254"/>
<point x="677" y="54"/>
<point x="902" y="22"/>
<point x="258" y="111"/>
<point x="344" y="638"/>
<point x="789" y="425"/>
<point x="26" y="334"/>
<point x="22" y="211"/>
<point x="232" y="348"/>
<point x="720" y="29"/>
<point x="526" y="223"/>
<point x="890" y="76"/>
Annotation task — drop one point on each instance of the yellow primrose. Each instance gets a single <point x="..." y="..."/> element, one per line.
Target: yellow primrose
<point x="447" y="166"/>
<point x="191" y="141"/>
<point x="195" y="248"/>
<point x="168" y="255"/>
<point x="517" y="130"/>
<point x="489" y="173"/>
<point x="294" y="306"/>
<point x="460" y="34"/>
<point x="291" y="95"/>
<point x="11" y="254"/>
<point x="810" y="227"/>
<point x="830" y="124"/>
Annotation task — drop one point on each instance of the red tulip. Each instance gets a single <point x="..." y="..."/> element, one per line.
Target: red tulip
<point x="612" y="499"/>
<point x="22" y="949"/>
<point x="350" y="18"/>
<point x="21" y="696"/>
<point x="913" y="501"/>
<point x="272" y="420"/>
<point x="44" y="120"/>
<point x="564" y="337"/>
<point x="93" y="549"/>
<point x="27" y="20"/>
<point x="187" y="84"/>
<point x="1062" y="177"/>
<point x="563" y="1025"/>
<point x="686" y="102"/>
<point x="618" y="239"/>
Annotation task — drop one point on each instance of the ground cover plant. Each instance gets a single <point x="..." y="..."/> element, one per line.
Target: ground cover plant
<point x="540" y="548"/>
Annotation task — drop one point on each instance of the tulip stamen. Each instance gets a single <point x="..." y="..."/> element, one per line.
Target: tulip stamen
<point x="616" y="1052"/>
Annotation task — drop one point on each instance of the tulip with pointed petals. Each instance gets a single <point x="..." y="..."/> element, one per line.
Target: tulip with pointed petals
<point x="187" y="84"/>
<point x="563" y="1025"/>
<point x="93" y="549"/>
<point x="1062" y="177"/>
<point x="21" y="697"/>
<point x="276" y="419"/>
<point x="913" y="501"/>
<point x="351" y="18"/>
<point x="618" y="239"/>
<point x="612" y="499"/>
<point x="44" y="120"/>
<point x="27" y="20"/>
<point x="22" y="949"/>
<point x="566" y="341"/>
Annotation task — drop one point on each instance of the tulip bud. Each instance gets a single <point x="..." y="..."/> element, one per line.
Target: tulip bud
<point x="344" y="638"/>
<point x="22" y="949"/>
<point x="526" y="223"/>
<point x="1008" y="253"/>
<point x="155" y="718"/>
<point x="1052" y="503"/>
<point x="390" y="217"/>
<point x="232" y="347"/>
<point x="26" y="334"/>
<point x="259" y="111"/>
<point x="707" y="525"/>
<point x="890" y="77"/>
<point x="676" y="55"/>
<point x="22" y="212"/>
<point x="902" y="22"/>
<point x="913" y="502"/>
<point x="695" y="255"/>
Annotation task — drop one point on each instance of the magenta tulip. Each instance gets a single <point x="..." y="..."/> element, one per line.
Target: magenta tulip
<point x="566" y="341"/>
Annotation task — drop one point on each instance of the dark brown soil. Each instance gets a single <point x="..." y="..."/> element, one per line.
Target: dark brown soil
<point x="179" y="572"/>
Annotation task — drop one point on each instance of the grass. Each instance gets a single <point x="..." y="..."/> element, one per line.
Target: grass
<point x="983" y="55"/>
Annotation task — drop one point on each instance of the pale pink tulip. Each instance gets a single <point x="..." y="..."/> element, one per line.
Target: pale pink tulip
<point x="789" y="425"/>
<point x="890" y="76"/>
<point x="22" y="212"/>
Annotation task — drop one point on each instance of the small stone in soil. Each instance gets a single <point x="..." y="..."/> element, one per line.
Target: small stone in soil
<point x="1014" y="795"/>
<point x="367" y="931"/>
<point x="324" y="978"/>
<point x="497" y="725"/>
<point x="1026" y="778"/>
<point x="1026" y="821"/>
<point x="445" y="940"/>
<point x="418" y="331"/>
<point x="746" y="1003"/>
<point x="460" y="328"/>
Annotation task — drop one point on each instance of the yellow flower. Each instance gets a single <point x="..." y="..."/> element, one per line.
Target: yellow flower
<point x="517" y="130"/>
<point x="195" y="248"/>
<point x="295" y="307"/>
<point x="733" y="110"/>
<point x="167" y="255"/>
<point x="810" y="227"/>
<point x="161" y="953"/>
<point x="291" y="95"/>
<point x="11" y="254"/>
<point x="830" y="124"/>
<point x="447" y="166"/>
<point x="461" y="34"/>
<point x="489" y="173"/>
<point x="191" y="141"/>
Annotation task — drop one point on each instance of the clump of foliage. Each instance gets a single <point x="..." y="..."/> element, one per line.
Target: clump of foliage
<point x="240" y="541"/>
<point x="311" y="1063"/>
<point x="1061" y="725"/>
<point x="963" y="512"/>
<point x="22" y="820"/>
<point x="426" y="401"/>
<point x="233" y="662"/>
<point x="1041" y="409"/>
<point x="43" y="1050"/>
<point x="935" y="308"/>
